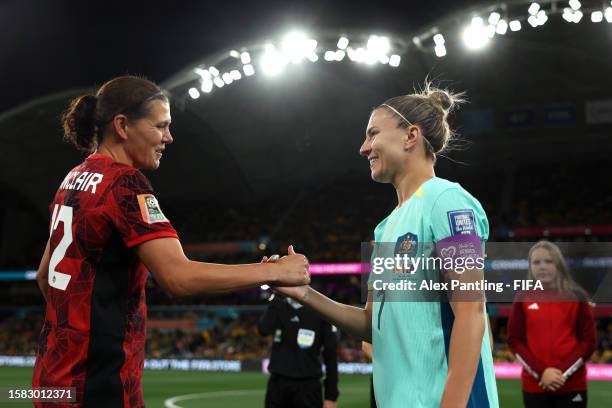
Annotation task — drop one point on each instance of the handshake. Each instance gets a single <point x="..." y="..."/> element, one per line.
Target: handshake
<point x="292" y="275"/>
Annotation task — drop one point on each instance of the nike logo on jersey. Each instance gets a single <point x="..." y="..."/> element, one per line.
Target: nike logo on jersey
<point x="533" y="306"/>
<point x="81" y="181"/>
<point x="577" y="398"/>
<point x="295" y="319"/>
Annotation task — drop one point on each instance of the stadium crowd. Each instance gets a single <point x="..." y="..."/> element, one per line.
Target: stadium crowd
<point x="232" y="335"/>
<point x="328" y="223"/>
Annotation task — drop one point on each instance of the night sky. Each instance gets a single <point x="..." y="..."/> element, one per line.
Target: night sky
<point x="53" y="45"/>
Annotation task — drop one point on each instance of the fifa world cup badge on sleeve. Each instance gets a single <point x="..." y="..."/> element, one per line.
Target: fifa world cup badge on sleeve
<point x="462" y="222"/>
<point x="150" y="210"/>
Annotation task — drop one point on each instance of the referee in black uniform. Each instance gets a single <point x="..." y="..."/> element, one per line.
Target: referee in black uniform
<point x="300" y="336"/>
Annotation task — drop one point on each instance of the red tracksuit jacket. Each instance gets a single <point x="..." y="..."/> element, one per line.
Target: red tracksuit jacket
<point x="543" y="333"/>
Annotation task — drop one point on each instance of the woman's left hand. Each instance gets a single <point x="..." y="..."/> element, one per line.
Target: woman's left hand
<point x="552" y="379"/>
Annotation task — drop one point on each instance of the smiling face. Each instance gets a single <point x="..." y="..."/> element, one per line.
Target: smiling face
<point x="543" y="267"/>
<point x="384" y="146"/>
<point x="148" y="136"/>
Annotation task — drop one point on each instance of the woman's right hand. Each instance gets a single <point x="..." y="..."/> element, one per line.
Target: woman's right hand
<point x="297" y="293"/>
<point x="294" y="270"/>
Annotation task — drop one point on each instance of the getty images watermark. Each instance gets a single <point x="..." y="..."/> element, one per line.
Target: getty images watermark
<point x="402" y="263"/>
<point x="461" y="268"/>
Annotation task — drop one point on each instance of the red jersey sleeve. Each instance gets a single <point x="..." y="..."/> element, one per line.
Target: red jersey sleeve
<point x="136" y="213"/>
<point x="586" y="334"/>
<point x="517" y="341"/>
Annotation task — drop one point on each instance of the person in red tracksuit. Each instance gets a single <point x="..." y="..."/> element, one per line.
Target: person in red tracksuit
<point x="552" y="333"/>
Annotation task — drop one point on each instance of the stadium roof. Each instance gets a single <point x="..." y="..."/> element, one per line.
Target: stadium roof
<point x="271" y="134"/>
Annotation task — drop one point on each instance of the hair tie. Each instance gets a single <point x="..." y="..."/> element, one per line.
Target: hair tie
<point x="429" y="146"/>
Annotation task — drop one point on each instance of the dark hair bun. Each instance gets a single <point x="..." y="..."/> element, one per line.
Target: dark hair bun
<point x="79" y="122"/>
<point x="442" y="99"/>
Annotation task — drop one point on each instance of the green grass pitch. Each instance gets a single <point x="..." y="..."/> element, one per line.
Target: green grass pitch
<point x="243" y="390"/>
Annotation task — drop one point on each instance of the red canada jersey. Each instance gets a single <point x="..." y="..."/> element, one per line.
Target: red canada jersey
<point x="93" y="336"/>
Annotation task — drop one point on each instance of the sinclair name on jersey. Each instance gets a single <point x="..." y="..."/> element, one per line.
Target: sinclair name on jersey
<point x="82" y="181"/>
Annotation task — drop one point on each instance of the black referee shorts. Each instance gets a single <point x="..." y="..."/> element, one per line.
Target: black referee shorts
<point x="284" y="392"/>
<point x="577" y="399"/>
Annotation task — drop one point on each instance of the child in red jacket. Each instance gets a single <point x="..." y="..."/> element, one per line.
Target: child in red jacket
<point x="552" y="333"/>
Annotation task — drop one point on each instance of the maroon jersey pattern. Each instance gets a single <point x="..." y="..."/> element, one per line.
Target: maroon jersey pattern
<point x="93" y="337"/>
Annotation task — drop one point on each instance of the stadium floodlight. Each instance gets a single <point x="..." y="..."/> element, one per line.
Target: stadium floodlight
<point x="249" y="70"/>
<point x="515" y="25"/>
<point x="297" y="46"/>
<point x="352" y="54"/>
<point x="494" y="18"/>
<point x="272" y="62"/>
<point x="502" y="27"/>
<point x="377" y="49"/>
<point x="575" y="4"/>
<point x="245" y="58"/>
<point x="311" y="46"/>
<point x="234" y="54"/>
<point x="572" y="16"/>
<point x="207" y="85"/>
<point x="577" y="16"/>
<point x="227" y="78"/>
<point x="360" y="54"/>
<point x="490" y="31"/>
<point x="339" y="55"/>
<point x="343" y="42"/>
<point x="533" y="21"/>
<point x="608" y="14"/>
<point x="293" y="44"/>
<point x="534" y="8"/>
<point x="475" y="36"/>
<point x="214" y="71"/>
<point x="202" y="72"/>
<point x="329" y="55"/>
<point x="542" y="17"/>
<point x="219" y="82"/>
<point x="235" y="74"/>
<point x="597" y="16"/>
<point x="394" y="60"/>
<point x="438" y="39"/>
<point x="194" y="93"/>
<point x="378" y="45"/>
<point x="313" y="57"/>
<point x="440" y="50"/>
<point x="370" y="58"/>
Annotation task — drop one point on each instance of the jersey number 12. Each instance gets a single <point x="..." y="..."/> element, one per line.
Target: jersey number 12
<point x="62" y="213"/>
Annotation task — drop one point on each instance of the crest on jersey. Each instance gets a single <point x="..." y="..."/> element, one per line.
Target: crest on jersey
<point x="150" y="210"/>
<point x="407" y="244"/>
